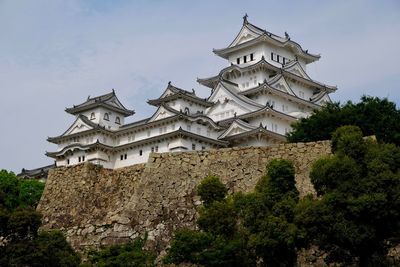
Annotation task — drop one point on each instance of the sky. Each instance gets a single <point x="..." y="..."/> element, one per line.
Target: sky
<point x="55" y="53"/>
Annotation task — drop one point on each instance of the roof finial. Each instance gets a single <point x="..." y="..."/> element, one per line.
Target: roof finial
<point x="287" y="35"/>
<point x="193" y="91"/>
<point x="113" y="91"/>
<point x="169" y="83"/>
<point x="261" y="126"/>
<point x="88" y="97"/>
<point x="245" y="18"/>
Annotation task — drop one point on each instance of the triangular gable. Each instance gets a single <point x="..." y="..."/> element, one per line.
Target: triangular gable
<point x="226" y="101"/>
<point x="297" y="69"/>
<point x="223" y="93"/>
<point x="167" y="92"/>
<point x="245" y="34"/>
<point x="114" y="101"/>
<point x="161" y="113"/>
<point x="78" y="126"/>
<point x="237" y="127"/>
<point x="281" y="84"/>
<point x="323" y="100"/>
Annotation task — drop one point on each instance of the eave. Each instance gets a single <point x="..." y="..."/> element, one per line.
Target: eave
<point x="197" y="100"/>
<point x="267" y="37"/>
<point x="263" y="63"/>
<point x="180" y="133"/>
<point x="269" y="89"/>
<point x="255" y="132"/>
<point x="270" y="110"/>
<point x="79" y="109"/>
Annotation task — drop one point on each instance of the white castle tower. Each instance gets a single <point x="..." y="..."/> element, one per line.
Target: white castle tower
<point x="253" y="102"/>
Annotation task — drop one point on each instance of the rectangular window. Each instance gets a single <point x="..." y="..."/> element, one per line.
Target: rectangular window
<point x="277" y="58"/>
<point x="193" y="146"/>
<point x="272" y="56"/>
<point x="79" y="159"/>
<point x="121" y="157"/>
<point x="203" y="148"/>
<point x="83" y="158"/>
<point x="67" y="161"/>
<point x="140" y="152"/>
<point x="238" y="60"/>
<point x="284" y="60"/>
<point x="244" y="59"/>
<point x="156" y="148"/>
<point x="125" y="156"/>
<point x="152" y="149"/>
<point x="251" y="57"/>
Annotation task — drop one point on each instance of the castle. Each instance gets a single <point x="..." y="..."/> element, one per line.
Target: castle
<point x="252" y="102"/>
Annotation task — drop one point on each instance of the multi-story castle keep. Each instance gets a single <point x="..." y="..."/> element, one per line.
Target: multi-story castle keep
<point x="252" y="102"/>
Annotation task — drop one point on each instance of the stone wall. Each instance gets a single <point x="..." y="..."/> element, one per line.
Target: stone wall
<point x="95" y="206"/>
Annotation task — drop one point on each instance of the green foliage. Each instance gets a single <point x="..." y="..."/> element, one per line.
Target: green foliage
<point x="219" y="218"/>
<point x="48" y="249"/>
<point x="332" y="172"/>
<point x="373" y="115"/>
<point x="211" y="189"/>
<point x="8" y="190"/>
<point x="245" y="228"/>
<point x="23" y="224"/>
<point x="131" y="254"/>
<point x="30" y="192"/>
<point x="359" y="206"/>
<point x="278" y="182"/>
<point x="188" y="246"/>
<point x="19" y="223"/>
<point x="16" y="192"/>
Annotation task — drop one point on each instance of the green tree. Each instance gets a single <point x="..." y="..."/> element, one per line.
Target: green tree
<point x="243" y="229"/>
<point x="211" y="189"/>
<point x="373" y="115"/>
<point x="47" y="250"/>
<point x="359" y="204"/>
<point x="130" y="254"/>
<point x="19" y="223"/>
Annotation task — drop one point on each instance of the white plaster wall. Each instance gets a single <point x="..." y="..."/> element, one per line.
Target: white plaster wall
<point x="273" y="124"/>
<point x="250" y="80"/>
<point x="181" y="104"/>
<point x="99" y="117"/>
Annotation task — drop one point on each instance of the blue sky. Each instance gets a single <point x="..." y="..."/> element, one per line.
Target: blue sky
<point x="54" y="53"/>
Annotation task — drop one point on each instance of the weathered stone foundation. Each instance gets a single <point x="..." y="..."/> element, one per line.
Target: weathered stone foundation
<point x="96" y="206"/>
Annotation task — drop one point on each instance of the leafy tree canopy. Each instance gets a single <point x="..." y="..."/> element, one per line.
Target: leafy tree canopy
<point x="359" y="205"/>
<point x="126" y="255"/>
<point x="244" y="229"/>
<point x="373" y="115"/>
